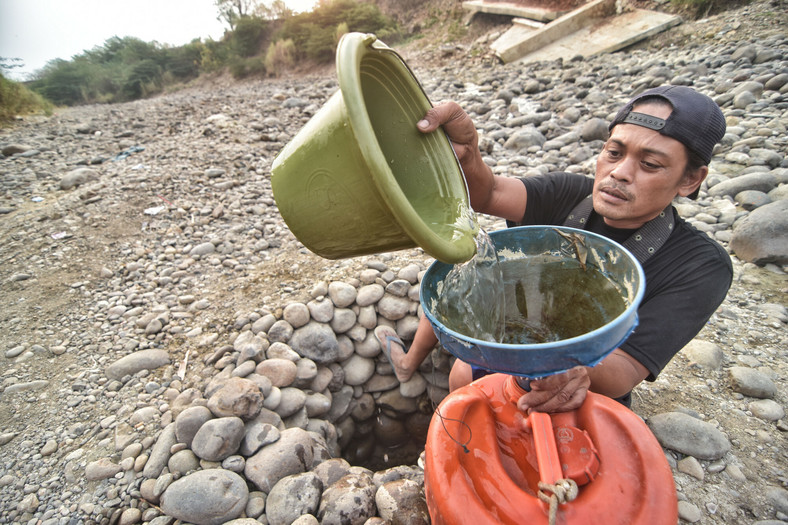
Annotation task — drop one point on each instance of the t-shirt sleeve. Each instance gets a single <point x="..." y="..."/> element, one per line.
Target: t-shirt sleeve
<point x="675" y="309"/>
<point x="552" y="196"/>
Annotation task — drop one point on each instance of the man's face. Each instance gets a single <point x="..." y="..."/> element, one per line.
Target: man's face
<point x="639" y="172"/>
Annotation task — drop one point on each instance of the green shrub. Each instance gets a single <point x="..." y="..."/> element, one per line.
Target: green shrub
<point x="65" y="82"/>
<point x="315" y="34"/>
<point x="143" y="80"/>
<point x="245" y="67"/>
<point x="184" y="62"/>
<point x="342" y="29"/>
<point x="279" y="57"/>
<point x="16" y="99"/>
<point x="249" y="34"/>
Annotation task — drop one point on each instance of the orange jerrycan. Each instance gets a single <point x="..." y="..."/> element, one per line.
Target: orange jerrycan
<point x="487" y="462"/>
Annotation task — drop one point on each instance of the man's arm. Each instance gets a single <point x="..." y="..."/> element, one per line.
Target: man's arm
<point x="490" y="194"/>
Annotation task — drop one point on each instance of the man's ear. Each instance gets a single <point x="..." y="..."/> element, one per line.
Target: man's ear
<point x="692" y="180"/>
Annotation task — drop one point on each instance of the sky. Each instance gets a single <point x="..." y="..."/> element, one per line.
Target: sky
<point x="38" y="31"/>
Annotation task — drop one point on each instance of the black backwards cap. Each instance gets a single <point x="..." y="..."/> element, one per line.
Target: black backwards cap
<point x="696" y="120"/>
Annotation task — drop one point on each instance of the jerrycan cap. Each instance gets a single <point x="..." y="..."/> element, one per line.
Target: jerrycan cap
<point x="578" y="456"/>
<point x="562" y="452"/>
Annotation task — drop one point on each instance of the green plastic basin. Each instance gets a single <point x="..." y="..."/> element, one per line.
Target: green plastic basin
<point x="359" y="178"/>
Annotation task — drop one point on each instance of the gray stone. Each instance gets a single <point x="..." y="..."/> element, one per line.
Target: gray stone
<point x="188" y="422"/>
<point x="689" y="512"/>
<point x="358" y="370"/>
<point x="321" y="309"/>
<point x="297" y="314"/>
<point x="293" y="400"/>
<point x="393" y="307"/>
<point x="78" y="177"/>
<point x="237" y="397"/>
<point x="182" y="462"/>
<point x="316" y="341"/>
<point x="351" y="499"/>
<point x="291" y="454"/>
<point x="281" y="372"/>
<point x="691" y="466"/>
<point x="525" y="139"/>
<point x="761" y="181"/>
<point x="751" y="199"/>
<point x="206" y="497"/>
<point x="257" y="434"/>
<point x="751" y="382"/>
<point x="704" y="353"/>
<point x="218" y="438"/>
<point x="370" y="294"/>
<point x="402" y="501"/>
<point x="343" y="320"/>
<point x="13" y="149"/>
<point x="762" y="236"/>
<point x="205" y="248"/>
<point x="778" y="497"/>
<point x="101" y="469"/>
<point x="140" y="360"/>
<point x="688" y="435"/>
<point x="160" y="453"/>
<point x="293" y="496"/>
<point x="595" y="129"/>
<point x="767" y="409"/>
<point x="342" y="294"/>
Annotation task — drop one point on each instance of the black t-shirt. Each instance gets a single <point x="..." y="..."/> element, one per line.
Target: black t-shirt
<point x="686" y="279"/>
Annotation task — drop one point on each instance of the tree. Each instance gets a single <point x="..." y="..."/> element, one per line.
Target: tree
<point x="231" y="11"/>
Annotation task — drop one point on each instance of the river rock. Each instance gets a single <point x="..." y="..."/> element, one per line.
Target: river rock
<point x="293" y="496"/>
<point x="257" y="434"/>
<point x="316" y="341"/>
<point x="218" y="438"/>
<point x="762" y="236"/>
<point x="351" y="499"/>
<point x="767" y="409"/>
<point x="161" y="452"/>
<point x="237" y="397"/>
<point x="688" y="435"/>
<point x="751" y="382"/>
<point x="77" y="177"/>
<point x="291" y="454"/>
<point x="281" y="372"/>
<point x="704" y="353"/>
<point x="133" y="363"/>
<point x="206" y="497"/>
<point x="402" y="501"/>
<point x="101" y="469"/>
<point x="342" y="294"/>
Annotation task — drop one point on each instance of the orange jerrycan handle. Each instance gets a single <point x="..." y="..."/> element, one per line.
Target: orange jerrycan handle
<point x="546" y="450"/>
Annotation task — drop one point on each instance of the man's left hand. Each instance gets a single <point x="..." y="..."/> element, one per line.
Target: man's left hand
<point x="557" y="393"/>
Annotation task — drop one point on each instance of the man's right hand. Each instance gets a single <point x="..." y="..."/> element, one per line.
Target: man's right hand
<point x="462" y="133"/>
<point x="494" y="195"/>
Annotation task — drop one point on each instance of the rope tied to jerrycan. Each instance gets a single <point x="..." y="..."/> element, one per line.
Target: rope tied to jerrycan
<point x="562" y="491"/>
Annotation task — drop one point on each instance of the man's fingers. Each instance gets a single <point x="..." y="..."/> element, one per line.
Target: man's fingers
<point x="455" y="121"/>
<point x="557" y="393"/>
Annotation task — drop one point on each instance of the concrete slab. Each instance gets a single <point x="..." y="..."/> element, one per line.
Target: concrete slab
<point x="510" y="9"/>
<point x="591" y="29"/>
<point x="606" y="36"/>
<point x="521" y="29"/>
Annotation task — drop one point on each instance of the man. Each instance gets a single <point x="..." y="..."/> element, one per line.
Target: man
<point x="659" y="148"/>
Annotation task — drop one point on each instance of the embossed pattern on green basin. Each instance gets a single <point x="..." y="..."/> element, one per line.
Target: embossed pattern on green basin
<point x="359" y="178"/>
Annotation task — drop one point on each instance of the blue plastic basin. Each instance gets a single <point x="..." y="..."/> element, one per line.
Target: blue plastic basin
<point x="541" y="359"/>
